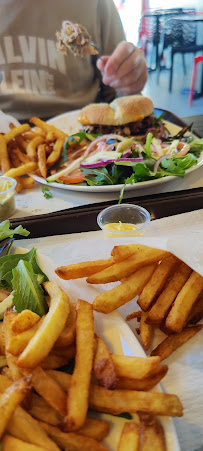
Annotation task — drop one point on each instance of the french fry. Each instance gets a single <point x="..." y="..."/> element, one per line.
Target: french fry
<point x="47" y="128"/>
<point x="16" y="131"/>
<point x="22" y="170"/>
<point x="6" y="372"/>
<point x="22" y="143"/>
<point x="174" y="341"/>
<point x="144" y="384"/>
<point x="111" y="300"/>
<point x="2" y="339"/>
<point x="184" y="302"/>
<point x="94" y="428"/>
<point x="134" y="367"/>
<point x="17" y="343"/>
<point x="67" y="336"/>
<point x="78" y="394"/>
<point x="50" y="391"/>
<point x="26" y="428"/>
<point x="10" y="399"/>
<point x="134" y="315"/>
<point x="4" y="157"/>
<point x="145" y="331"/>
<point x="50" y="329"/>
<point x="157" y="282"/>
<point x="119" y="401"/>
<point x="197" y="312"/>
<point x="27" y="182"/>
<point x="40" y="410"/>
<point x="32" y="134"/>
<point x="84" y="269"/>
<point x="32" y="147"/>
<point x="3" y="361"/>
<point x="103" y="366"/>
<point x="55" y="360"/>
<point x="24" y="321"/>
<point x="11" y="360"/>
<point x="123" y="251"/>
<point x="153" y="437"/>
<point x="14" y="444"/>
<point x="41" y="153"/>
<point x="55" y="154"/>
<point x="130" y="437"/>
<point x="14" y="159"/>
<point x="51" y="136"/>
<point x="162" y="305"/>
<point x="23" y="426"/>
<point x="19" y="185"/>
<point x="71" y="440"/>
<point x="128" y="266"/>
<point x="23" y="158"/>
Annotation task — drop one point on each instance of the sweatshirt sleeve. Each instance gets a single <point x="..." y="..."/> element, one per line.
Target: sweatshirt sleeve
<point x="112" y="31"/>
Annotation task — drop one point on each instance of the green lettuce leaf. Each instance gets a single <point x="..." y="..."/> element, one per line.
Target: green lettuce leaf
<point x="196" y="147"/>
<point x="6" y="232"/>
<point x="27" y="292"/>
<point x="9" y="262"/>
<point x="100" y="176"/>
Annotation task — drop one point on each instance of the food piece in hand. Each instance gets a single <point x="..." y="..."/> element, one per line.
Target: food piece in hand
<point x="76" y="38"/>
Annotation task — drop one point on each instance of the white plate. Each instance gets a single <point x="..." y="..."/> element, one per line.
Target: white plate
<point x="69" y="124"/>
<point x="118" y="337"/>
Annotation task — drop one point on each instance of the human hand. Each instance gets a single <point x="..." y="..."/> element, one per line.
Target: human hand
<point x="125" y="70"/>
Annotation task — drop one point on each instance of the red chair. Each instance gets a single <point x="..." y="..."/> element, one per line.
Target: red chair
<point x="197" y="59"/>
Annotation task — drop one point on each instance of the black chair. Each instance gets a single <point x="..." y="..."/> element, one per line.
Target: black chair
<point x="180" y="37"/>
<point x="185" y="42"/>
<point x="149" y="33"/>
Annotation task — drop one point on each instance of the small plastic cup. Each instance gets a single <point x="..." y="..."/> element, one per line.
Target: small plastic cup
<point x="7" y="197"/>
<point x="123" y="220"/>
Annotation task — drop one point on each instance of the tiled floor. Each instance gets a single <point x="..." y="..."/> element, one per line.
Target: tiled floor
<point x="177" y="100"/>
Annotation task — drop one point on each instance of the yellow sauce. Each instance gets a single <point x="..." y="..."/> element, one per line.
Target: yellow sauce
<point x="122" y="228"/>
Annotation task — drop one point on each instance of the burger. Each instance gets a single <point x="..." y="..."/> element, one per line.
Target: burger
<point x="127" y="116"/>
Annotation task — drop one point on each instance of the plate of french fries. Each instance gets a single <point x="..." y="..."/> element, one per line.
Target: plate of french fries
<point x="77" y="378"/>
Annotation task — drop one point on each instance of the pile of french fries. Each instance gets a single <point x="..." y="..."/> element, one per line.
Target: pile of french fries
<point x="168" y="292"/>
<point x="42" y="408"/>
<point x="24" y="150"/>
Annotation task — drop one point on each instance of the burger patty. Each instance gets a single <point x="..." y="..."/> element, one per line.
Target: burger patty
<point x="149" y="123"/>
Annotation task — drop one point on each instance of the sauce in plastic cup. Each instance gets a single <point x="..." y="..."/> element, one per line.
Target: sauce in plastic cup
<point x="7" y="197"/>
<point x="123" y="220"/>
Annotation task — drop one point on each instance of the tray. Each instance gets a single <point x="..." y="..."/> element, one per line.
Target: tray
<point x="84" y="218"/>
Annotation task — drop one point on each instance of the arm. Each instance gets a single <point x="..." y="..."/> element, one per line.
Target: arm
<point x="125" y="69"/>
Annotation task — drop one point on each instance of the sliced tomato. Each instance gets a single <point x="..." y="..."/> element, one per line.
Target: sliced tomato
<point x="72" y="178"/>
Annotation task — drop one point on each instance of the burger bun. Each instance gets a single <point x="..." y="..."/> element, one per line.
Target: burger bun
<point x="121" y="111"/>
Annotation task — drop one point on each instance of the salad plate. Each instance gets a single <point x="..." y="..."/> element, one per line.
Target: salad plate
<point x="117" y="335"/>
<point x="68" y="123"/>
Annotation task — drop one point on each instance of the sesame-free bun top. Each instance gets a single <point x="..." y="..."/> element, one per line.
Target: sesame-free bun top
<point x="122" y="110"/>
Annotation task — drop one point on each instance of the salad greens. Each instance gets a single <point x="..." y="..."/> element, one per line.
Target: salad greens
<point x="20" y="275"/>
<point x="27" y="292"/>
<point x="46" y="192"/>
<point x="120" y="160"/>
<point x="6" y="232"/>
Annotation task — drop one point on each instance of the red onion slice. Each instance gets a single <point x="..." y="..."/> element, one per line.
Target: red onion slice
<point x="103" y="163"/>
<point x="102" y="138"/>
<point x="65" y="22"/>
